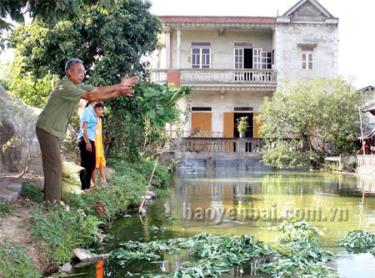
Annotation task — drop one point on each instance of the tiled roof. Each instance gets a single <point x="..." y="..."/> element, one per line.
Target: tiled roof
<point x="217" y="19"/>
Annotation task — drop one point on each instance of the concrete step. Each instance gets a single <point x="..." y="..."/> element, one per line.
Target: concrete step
<point x="16" y="187"/>
<point x="8" y="196"/>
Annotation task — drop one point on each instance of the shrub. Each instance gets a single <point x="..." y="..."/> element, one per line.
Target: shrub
<point x="321" y="114"/>
<point x="284" y="154"/>
<point x="32" y="192"/>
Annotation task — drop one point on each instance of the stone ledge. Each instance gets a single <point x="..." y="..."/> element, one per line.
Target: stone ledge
<point x="8" y="196"/>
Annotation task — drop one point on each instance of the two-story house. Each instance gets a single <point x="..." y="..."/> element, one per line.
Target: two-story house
<point x="233" y="63"/>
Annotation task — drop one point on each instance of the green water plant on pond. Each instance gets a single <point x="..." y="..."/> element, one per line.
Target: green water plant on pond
<point x="300" y="253"/>
<point x="205" y="255"/>
<point x="210" y="255"/>
<point x="359" y="242"/>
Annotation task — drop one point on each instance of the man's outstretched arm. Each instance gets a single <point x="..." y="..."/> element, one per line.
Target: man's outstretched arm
<point x="107" y="92"/>
<point x="98" y="94"/>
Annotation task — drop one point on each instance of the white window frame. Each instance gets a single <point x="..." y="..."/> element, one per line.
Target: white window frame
<point x="266" y="59"/>
<point x="202" y="56"/>
<point x="261" y="58"/>
<point x="307" y="60"/>
<point x="257" y="58"/>
<point x="238" y="53"/>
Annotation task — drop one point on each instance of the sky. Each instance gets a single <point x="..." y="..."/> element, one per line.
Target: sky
<point x="356" y="26"/>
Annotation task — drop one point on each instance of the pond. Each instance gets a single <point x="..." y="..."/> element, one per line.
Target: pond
<point x="253" y="203"/>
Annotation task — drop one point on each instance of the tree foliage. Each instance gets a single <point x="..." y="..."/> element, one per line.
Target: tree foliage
<point x="111" y="42"/>
<point x="24" y="85"/>
<point x="137" y="125"/>
<point x="319" y="116"/>
<point x="49" y="11"/>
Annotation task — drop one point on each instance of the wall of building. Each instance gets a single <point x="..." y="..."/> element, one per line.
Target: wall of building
<point x="221" y="103"/>
<point x="222" y="45"/>
<point x="288" y="53"/>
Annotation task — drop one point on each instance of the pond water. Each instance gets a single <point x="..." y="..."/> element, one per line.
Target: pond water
<point x="233" y="203"/>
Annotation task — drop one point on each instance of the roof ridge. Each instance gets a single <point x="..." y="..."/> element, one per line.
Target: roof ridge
<point x="315" y="3"/>
<point x="199" y="16"/>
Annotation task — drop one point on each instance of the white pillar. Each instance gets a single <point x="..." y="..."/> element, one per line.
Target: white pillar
<point x="178" y="59"/>
<point x="168" y="49"/>
<point x="158" y="57"/>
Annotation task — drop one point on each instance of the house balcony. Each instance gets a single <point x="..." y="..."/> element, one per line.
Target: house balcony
<point x="211" y="79"/>
<point x="218" y="149"/>
<point x="220" y="145"/>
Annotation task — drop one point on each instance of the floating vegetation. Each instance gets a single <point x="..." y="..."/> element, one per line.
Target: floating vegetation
<point x="300" y="253"/>
<point x="205" y="255"/>
<point x="359" y="242"/>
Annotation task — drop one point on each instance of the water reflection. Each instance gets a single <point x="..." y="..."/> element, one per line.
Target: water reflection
<point x="251" y="203"/>
<point x="334" y="203"/>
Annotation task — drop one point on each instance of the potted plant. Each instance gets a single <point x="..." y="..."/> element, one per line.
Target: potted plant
<point x="242" y="126"/>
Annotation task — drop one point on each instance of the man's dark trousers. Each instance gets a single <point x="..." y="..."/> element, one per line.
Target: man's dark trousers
<point x="87" y="162"/>
<point x="52" y="164"/>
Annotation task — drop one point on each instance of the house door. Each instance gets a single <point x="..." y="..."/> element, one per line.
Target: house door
<point x="248" y="58"/>
<point x="256" y="125"/>
<point x="228" y="125"/>
<point x="228" y="131"/>
<point x="201" y="124"/>
<point x="243" y="59"/>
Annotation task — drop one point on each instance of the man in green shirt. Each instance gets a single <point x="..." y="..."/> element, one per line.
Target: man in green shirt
<point x="54" y="119"/>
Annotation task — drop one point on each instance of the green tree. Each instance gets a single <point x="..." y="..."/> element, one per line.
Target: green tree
<point x="137" y="125"/>
<point x="24" y="85"/>
<point x="111" y="41"/>
<point x="318" y="117"/>
<point x="48" y="10"/>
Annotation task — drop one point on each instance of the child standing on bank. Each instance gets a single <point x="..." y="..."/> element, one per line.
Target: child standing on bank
<point x="99" y="148"/>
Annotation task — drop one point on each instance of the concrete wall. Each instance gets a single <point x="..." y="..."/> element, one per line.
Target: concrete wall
<point x="222" y="45"/>
<point x="221" y="103"/>
<point x="288" y="53"/>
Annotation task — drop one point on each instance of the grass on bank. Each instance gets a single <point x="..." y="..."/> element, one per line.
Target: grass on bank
<point x="59" y="230"/>
<point x="127" y="186"/>
<point x="14" y="261"/>
<point x="5" y="210"/>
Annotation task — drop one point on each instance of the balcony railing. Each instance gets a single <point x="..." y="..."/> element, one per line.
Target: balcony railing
<point x="215" y="76"/>
<point x="220" y="145"/>
<point x="159" y="76"/>
<point x="227" y="76"/>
